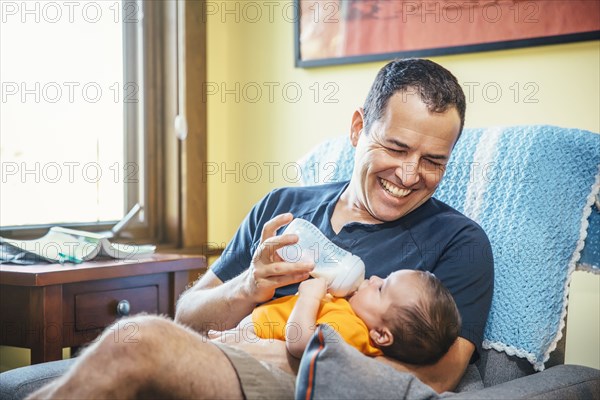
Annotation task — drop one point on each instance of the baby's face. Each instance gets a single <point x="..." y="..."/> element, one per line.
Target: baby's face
<point x="375" y="295"/>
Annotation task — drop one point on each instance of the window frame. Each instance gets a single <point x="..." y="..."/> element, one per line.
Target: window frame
<point x="173" y="195"/>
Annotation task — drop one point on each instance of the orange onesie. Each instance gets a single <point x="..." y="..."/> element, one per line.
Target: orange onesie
<point x="270" y="322"/>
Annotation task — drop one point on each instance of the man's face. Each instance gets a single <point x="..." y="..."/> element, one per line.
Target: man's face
<point x="401" y="160"/>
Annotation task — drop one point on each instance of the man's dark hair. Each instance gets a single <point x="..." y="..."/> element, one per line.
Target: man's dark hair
<point x="435" y="85"/>
<point x="423" y="331"/>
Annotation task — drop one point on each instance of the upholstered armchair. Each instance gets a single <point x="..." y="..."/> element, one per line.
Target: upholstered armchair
<point x="534" y="190"/>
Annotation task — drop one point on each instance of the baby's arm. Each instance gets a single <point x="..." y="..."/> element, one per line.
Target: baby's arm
<point x="301" y="323"/>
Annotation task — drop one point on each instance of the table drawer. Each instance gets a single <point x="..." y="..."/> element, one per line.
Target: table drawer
<point x="48" y="307"/>
<point x="94" y="310"/>
<point x="90" y="306"/>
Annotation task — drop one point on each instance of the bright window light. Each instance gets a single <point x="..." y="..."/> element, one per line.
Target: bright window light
<point x="62" y="136"/>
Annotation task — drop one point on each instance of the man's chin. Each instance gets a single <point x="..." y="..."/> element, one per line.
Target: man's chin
<point x="391" y="214"/>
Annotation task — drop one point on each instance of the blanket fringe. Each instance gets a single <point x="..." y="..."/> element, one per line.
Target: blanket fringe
<point x="513" y="351"/>
<point x="587" y="268"/>
<point x="538" y="365"/>
<point x="591" y="202"/>
<point x="587" y="210"/>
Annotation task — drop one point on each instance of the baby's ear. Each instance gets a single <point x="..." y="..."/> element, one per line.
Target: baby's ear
<point x="381" y="336"/>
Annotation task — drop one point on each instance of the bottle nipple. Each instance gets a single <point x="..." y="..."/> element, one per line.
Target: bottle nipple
<point x="349" y="276"/>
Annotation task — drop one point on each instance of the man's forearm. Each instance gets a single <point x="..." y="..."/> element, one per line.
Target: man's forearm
<point x="220" y="307"/>
<point x="446" y="373"/>
<point x="214" y="304"/>
<point x="440" y="382"/>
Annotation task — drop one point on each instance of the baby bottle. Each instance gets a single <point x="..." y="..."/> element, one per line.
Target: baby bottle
<point x="342" y="270"/>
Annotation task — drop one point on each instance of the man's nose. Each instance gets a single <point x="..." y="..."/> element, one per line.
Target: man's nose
<point x="408" y="172"/>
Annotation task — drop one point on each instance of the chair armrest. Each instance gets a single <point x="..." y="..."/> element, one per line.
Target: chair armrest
<point x="559" y="382"/>
<point x="17" y="383"/>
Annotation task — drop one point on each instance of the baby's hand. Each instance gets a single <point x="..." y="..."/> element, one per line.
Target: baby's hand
<point x="316" y="288"/>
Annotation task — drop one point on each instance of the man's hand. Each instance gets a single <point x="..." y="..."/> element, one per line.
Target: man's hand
<point x="268" y="270"/>
<point x="211" y="302"/>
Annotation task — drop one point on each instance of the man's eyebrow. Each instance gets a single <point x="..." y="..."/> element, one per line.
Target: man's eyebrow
<point x="398" y="143"/>
<point x="402" y="145"/>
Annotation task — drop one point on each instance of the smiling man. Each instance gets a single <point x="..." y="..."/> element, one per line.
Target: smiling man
<point x="404" y="134"/>
<point x="400" y="158"/>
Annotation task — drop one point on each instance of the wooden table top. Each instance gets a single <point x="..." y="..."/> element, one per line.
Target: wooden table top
<point x="105" y="268"/>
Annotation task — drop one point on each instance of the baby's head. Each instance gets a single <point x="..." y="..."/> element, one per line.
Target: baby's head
<point x="411" y="316"/>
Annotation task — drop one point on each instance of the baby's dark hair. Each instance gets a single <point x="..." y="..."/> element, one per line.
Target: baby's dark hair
<point x="424" y="330"/>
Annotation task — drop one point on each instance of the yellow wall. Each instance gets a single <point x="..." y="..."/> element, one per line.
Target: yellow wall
<point x="252" y="131"/>
<point x="249" y="131"/>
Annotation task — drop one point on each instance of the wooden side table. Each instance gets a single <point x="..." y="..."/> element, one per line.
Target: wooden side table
<point x="47" y="307"/>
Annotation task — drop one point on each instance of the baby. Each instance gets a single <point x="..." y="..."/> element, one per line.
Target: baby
<point x="409" y="316"/>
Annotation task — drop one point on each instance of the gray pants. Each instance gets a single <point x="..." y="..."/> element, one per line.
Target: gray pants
<point x="258" y="379"/>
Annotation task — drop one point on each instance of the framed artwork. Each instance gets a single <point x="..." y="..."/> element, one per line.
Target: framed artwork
<point x="349" y="31"/>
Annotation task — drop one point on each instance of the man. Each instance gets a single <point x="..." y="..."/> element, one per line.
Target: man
<point x="411" y="120"/>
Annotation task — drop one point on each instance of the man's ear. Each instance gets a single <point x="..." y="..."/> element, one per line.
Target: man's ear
<point x="357" y="125"/>
<point x="381" y="336"/>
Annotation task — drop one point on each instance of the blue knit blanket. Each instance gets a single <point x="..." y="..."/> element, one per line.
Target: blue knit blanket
<point x="532" y="189"/>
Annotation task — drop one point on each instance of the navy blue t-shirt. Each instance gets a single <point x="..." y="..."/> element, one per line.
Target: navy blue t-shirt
<point x="434" y="237"/>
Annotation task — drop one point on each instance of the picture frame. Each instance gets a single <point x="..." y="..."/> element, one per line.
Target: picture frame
<point x="330" y="32"/>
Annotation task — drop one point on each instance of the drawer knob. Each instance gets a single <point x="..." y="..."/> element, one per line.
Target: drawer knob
<point x="123" y="308"/>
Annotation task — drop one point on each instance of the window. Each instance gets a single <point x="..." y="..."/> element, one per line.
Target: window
<point x="73" y="138"/>
<point x="89" y="95"/>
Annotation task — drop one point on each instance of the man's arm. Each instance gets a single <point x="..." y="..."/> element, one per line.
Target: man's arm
<point x="212" y="304"/>
<point x="446" y="373"/>
<point x="304" y="314"/>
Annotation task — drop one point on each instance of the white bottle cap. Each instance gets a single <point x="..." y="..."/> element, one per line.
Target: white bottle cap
<point x="348" y="277"/>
